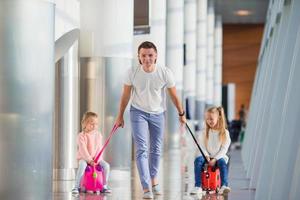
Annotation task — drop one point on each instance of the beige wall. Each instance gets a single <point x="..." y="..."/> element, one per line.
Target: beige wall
<point x="241" y="44"/>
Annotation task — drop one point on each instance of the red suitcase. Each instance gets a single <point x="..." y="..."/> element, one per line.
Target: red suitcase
<point x="211" y="180"/>
<point x="210" y="176"/>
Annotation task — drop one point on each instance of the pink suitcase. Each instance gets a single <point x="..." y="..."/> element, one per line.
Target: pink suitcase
<point x="93" y="178"/>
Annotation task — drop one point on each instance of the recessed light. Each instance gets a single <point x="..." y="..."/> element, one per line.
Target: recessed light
<point x="243" y="12"/>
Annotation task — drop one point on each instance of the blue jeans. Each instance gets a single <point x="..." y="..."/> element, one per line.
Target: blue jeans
<point x="199" y="164"/>
<point x="145" y="125"/>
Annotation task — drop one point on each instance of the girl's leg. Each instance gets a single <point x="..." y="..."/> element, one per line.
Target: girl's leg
<point x="198" y="165"/>
<point x="80" y="171"/>
<point x="139" y="127"/>
<point x="223" y="171"/>
<point x="106" y="169"/>
<point x="156" y="131"/>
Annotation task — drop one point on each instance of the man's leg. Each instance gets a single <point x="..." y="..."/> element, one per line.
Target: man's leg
<point x="156" y="130"/>
<point x="139" y="127"/>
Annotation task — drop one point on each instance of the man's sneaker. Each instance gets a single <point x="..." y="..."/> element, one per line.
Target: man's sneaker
<point x="156" y="190"/>
<point x="224" y="189"/>
<point x="148" y="195"/>
<point x="196" y="190"/>
<point x="75" y="191"/>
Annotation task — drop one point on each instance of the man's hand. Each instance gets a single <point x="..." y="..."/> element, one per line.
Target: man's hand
<point x="120" y="121"/>
<point x="182" y="120"/>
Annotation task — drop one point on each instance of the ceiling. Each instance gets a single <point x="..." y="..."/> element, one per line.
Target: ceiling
<point x="227" y="9"/>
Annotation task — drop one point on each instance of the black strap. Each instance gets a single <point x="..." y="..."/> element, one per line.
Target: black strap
<point x="196" y="143"/>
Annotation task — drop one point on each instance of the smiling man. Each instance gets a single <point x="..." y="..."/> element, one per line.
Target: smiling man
<point x="146" y="86"/>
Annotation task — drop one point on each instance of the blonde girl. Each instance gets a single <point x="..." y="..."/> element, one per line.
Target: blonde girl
<point x="89" y="142"/>
<point x="214" y="141"/>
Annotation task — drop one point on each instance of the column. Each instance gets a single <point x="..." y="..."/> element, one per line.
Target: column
<point x="218" y="62"/>
<point x="27" y="99"/>
<point x="210" y="53"/>
<point x="158" y="29"/>
<point x="66" y="110"/>
<point x="201" y="62"/>
<point x="174" y="60"/>
<point x="189" y="73"/>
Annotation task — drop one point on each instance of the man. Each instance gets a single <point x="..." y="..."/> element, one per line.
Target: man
<point x="146" y="85"/>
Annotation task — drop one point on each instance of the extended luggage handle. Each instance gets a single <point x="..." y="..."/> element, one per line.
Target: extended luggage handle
<point x="114" y="129"/>
<point x="196" y="142"/>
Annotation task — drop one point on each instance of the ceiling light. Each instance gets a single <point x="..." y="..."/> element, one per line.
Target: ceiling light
<point x="243" y="12"/>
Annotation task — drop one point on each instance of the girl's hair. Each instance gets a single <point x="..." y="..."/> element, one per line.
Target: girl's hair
<point x="85" y="117"/>
<point x="221" y="125"/>
<point x="147" y="45"/>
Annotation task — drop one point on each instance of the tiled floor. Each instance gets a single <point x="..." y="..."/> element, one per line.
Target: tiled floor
<point x="176" y="179"/>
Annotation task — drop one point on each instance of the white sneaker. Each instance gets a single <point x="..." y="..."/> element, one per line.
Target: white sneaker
<point x="224" y="189"/>
<point x="148" y="195"/>
<point x="156" y="190"/>
<point x="196" y="190"/>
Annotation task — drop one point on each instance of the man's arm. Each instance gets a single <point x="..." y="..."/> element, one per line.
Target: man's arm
<point x="177" y="103"/>
<point x="124" y="101"/>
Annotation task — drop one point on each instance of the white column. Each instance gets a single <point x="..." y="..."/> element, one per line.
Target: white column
<point x="27" y="99"/>
<point x="210" y="53"/>
<point x="218" y="62"/>
<point x="67" y="22"/>
<point x="189" y="73"/>
<point x="201" y="61"/>
<point x="158" y="29"/>
<point x="174" y="60"/>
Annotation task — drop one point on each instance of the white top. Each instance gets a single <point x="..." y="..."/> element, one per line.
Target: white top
<point x="214" y="147"/>
<point x="148" y="88"/>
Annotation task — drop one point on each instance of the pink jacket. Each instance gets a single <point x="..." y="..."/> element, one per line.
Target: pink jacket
<point x="89" y="144"/>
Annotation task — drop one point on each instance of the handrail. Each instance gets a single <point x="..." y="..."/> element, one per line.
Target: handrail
<point x="64" y="43"/>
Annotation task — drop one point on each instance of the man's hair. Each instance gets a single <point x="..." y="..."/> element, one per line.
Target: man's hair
<point x="147" y="45"/>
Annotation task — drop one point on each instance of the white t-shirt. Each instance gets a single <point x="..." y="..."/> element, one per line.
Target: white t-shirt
<point x="214" y="147"/>
<point x="148" y="89"/>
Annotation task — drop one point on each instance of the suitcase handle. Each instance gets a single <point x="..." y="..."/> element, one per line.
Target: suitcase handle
<point x="196" y="142"/>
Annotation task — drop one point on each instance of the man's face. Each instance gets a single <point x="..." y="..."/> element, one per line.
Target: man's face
<point x="147" y="57"/>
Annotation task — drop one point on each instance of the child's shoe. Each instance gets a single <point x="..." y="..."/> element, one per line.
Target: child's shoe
<point x="106" y="190"/>
<point x="224" y="189"/>
<point x="197" y="190"/>
<point x="148" y="195"/>
<point x="75" y="191"/>
<point x="156" y="190"/>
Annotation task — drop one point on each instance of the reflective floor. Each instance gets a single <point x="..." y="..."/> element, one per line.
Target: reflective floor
<point x="176" y="179"/>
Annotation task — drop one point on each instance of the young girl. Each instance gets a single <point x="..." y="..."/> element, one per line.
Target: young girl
<point x="89" y="144"/>
<point x="214" y="141"/>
